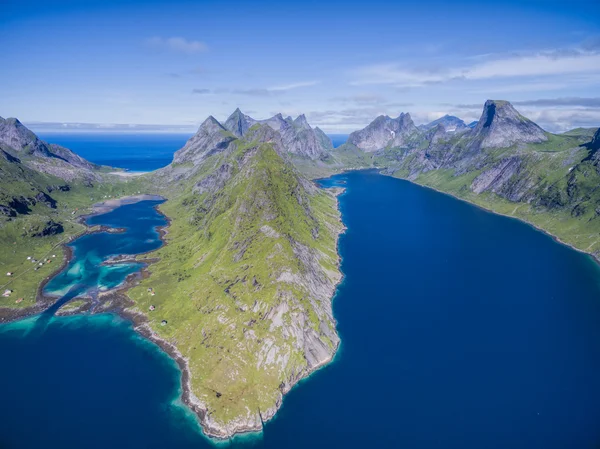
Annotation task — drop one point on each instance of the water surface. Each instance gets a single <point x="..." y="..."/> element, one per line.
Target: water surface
<point x="134" y="151"/>
<point x="88" y="271"/>
<point x="460" y="329"/>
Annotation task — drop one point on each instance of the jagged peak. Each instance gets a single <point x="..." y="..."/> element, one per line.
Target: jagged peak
<point x="501" y="125"/>
<point x="301" y="122"/>
<point x="211" y="122"/>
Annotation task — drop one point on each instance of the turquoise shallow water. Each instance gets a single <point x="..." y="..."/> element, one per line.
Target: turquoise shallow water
<point x="87" y="272"/>
<point x="460" y="329"/>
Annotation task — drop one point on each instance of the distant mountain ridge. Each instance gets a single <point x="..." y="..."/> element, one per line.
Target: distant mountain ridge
<point x="298" y="137"/>
<point x="22" y="143"/>
<point x="449" y="122"/>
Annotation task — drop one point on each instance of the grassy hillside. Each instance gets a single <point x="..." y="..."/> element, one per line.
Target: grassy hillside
<point x="552" y="185"/>
<point x="40" y="213"/>
<point x="245" y="281"/>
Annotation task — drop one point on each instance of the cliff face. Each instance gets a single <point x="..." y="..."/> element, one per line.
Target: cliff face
<point x="449" y="122"/>
<point x="298" y="137"/>
<point x="505" y="162"/>
<point x="501" y="126"/>
<point x="31" y="171"/>
<point x="51" y="159"/>
<point x="384" y="132"/>
<point x="246" y="279"/>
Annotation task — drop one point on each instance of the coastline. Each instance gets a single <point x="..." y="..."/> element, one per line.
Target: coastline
<point x="594" y="257"/>
<point x="42" y="301"/>
<point x="116" y="301"/>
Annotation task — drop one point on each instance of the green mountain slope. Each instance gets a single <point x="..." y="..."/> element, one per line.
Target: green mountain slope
<point x="246" y="279"/>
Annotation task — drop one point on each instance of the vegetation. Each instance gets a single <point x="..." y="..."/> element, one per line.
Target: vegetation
<point x="231" y="283"/>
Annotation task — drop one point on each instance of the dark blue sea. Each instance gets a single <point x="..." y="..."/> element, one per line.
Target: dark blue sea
<point x="460" y="329"/>
<point x="132" y="151"/>
<point x="338" y="139"/>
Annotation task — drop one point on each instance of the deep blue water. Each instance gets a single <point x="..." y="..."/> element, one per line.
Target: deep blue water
<point x="136" y="152"/>
<point x="86" y="270"/>
<point x="338" y="139"/>
<point x="460" y="329"/>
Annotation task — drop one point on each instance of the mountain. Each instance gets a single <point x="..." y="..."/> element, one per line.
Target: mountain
<point x="299" y="138"/>
<point x="323" y="139"/>
<point x="449" y="122"/>
<point x="384" y="132"/>
<point x="239" y="123"/>
<point x="505" y="163"/>
<point x="501" y="126"/>
<point x="472" y="124"/>
<point x="38" y="155"/>
<point x="247" y="277"/>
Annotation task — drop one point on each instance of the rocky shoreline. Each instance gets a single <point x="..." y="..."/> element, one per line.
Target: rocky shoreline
<point x="595" y="256"/>
<point x="116" y="301"/>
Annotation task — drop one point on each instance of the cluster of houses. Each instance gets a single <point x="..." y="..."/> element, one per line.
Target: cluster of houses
<point x="153" y="307"/>
<point x="31" y="259"/>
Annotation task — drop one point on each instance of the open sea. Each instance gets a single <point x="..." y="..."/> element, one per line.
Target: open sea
<point x="135" y="152"/>
<point x="460" y="329"/>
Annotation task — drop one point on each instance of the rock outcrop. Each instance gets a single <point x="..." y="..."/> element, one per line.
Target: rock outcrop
<point x="23" y="145"/>
<point x="298" y="137"/>
<point x="384" y="132"/>
<point x="501" y="126"/>
<point x="449" y="122"/>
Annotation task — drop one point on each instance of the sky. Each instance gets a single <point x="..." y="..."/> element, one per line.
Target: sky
<point x="166" y="66"/>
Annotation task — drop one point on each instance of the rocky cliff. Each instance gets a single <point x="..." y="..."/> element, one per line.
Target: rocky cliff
<point x="449" y="122"/>
<point x="23" y="144"/>
<point x="505" y="162"/>
<point x="298" y="137"/>
<point x="501" y="126"/>
<point x="385" y="132"/>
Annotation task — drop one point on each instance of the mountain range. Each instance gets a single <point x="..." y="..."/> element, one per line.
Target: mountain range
<point x="250" y="264"/>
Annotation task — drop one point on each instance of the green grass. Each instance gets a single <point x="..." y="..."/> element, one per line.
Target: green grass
<point x="17" y="238"/>
<point x="218" y="278"/>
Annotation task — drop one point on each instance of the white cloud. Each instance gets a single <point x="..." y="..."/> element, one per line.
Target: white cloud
<point x="178" y="44"/>
<point x="292" y="86"/>
<point x="541" y="64"/>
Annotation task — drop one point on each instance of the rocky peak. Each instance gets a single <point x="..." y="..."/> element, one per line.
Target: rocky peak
<point x="18" y="137"/>
<point x="210" y="138"/>
<point x="450" y="123"/>
<point x="384" y="132"/>
<point x="501" y="126"/>
<point x="301" y="122"/>
<point x="277" y="122"/>
<point x="324" y="139"/>
<point x="239" y="123"/>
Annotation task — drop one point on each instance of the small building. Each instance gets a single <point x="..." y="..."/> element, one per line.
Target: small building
<point x="9" y="274"/>
<point x="7" y="293"/>
<point x="28" y="257"/>
<point x="151" y="307"/>
<point x="163" y="323"/>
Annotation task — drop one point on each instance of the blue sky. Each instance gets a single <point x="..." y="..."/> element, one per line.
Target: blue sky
<point x="171" y="64"/>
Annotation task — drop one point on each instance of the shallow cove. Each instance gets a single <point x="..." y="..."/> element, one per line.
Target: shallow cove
<point x="135" y="227"/>
<point x="460" y="329"/>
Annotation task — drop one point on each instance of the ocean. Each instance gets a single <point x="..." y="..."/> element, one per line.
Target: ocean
<point x="135" y="152"/>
